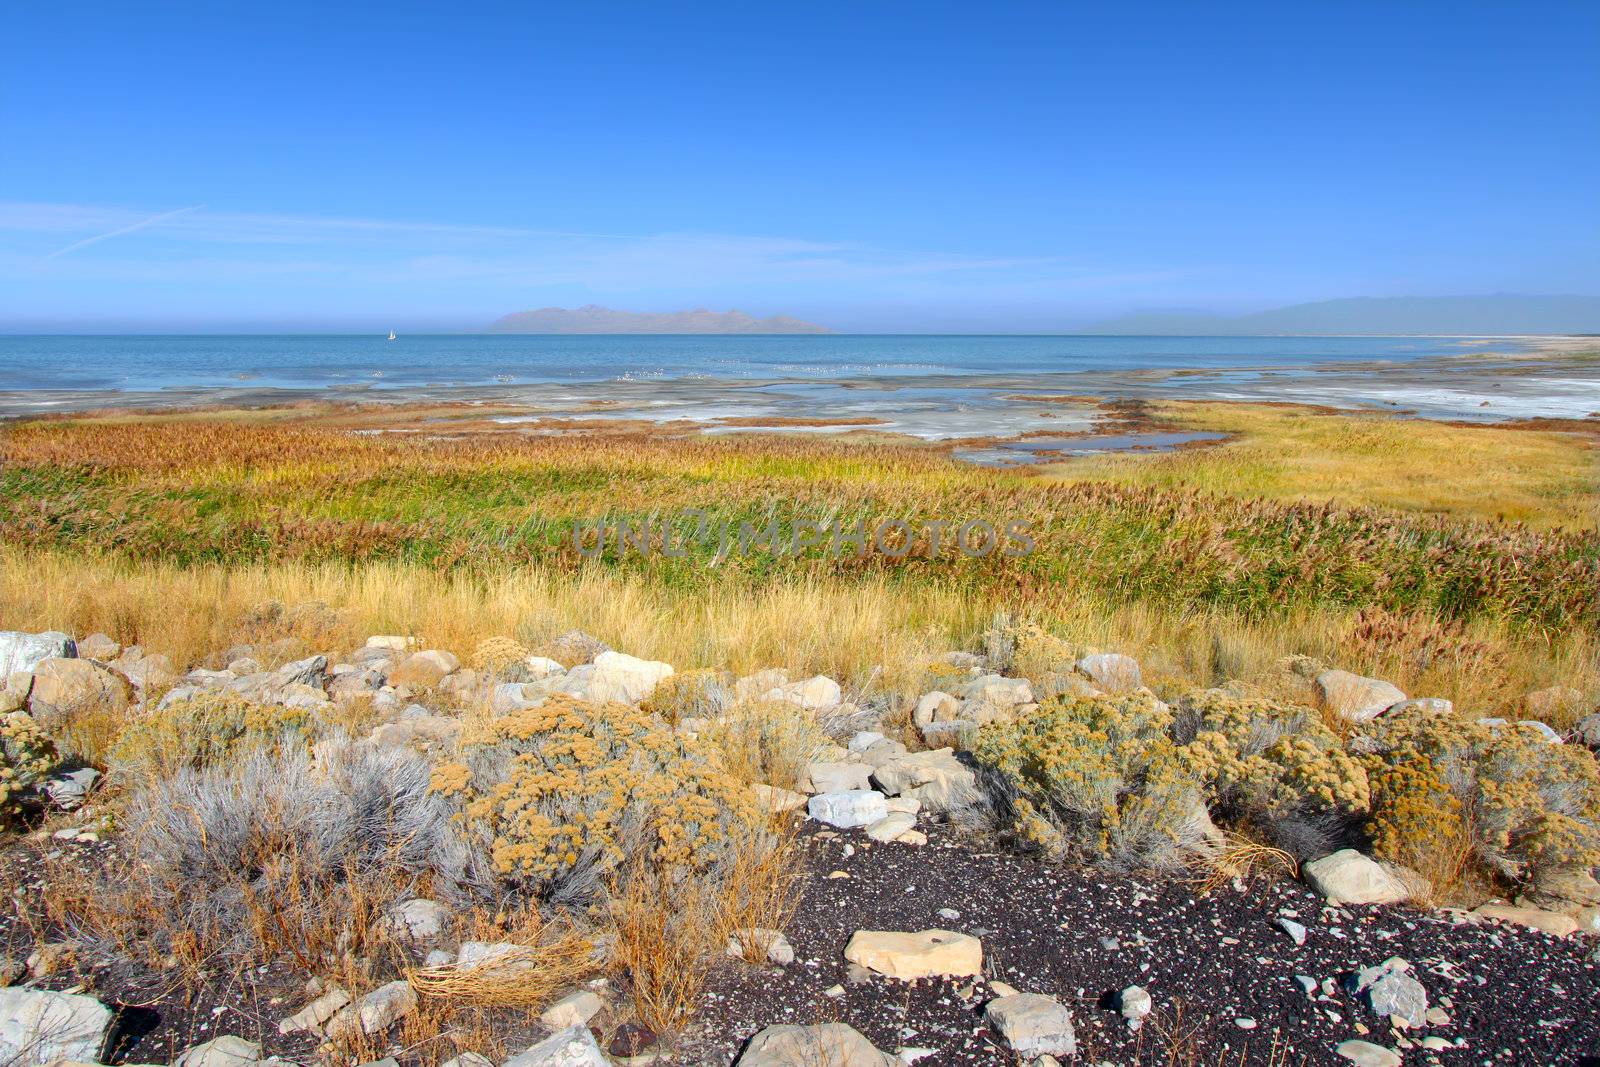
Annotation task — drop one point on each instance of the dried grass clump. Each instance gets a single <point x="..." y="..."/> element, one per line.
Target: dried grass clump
<point x="562" y="793"/>
<point x="279" y="853"/>
<point x="691" y="694"/>
<point x="26" y="756"/>
<point x="1507" y="800"/>
<point x="767" y="742"/>
<point x="204" y="730"/>
<point x="496" y="656"/>
<point x="550" y="957"/>
<point x="1098" y="780"/>
<point x="1276" y="767"/>
<point x="1038" y="652"/>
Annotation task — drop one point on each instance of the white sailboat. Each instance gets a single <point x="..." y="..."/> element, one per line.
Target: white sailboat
<point x="391" y="335"/>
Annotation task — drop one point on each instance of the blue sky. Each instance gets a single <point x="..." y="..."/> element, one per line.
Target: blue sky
<point x="869" y="165"/>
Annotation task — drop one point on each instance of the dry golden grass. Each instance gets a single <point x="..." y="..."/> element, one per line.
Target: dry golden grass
<point x="1544" y="478"/>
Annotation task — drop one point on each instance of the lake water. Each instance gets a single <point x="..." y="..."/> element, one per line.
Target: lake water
<point x="150" y="363"/>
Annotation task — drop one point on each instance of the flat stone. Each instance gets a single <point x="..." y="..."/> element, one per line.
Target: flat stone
<point x="891" y="826"/>
<point x="814" y="694"/>
<point x="225" y="1051"/>
<point x="934" y="707"/>
<point x="24" y="651"/>
<point x="770" y="945"/>
<point x="40" y="1025"/>
<point x="1550" y="922"/>
<point x="856" y="807"/>
<point x="824" y="1045"/>
<point x="776" y="800"/>
<point x="1296" y="931"/>
<point x="836" y="777"/>
<point x="998" y="691"/>
<point x="574" y="1009"/>
<point x="418" y="919"/>
<point x="313" y="1015"/>
<point x="1349" y="877"/>
<point x="1353" y="697"/>
<point x="626" y="679"/>
<point x="374" y="1013"/>
<point x="468" y="1059"/>
<point x="937" y="779"/>
<point x="573" y="1047"/>
<point x="1033" y="1025"/>
<point x="1366" y="1054"/>
<point x="924" y="954"/>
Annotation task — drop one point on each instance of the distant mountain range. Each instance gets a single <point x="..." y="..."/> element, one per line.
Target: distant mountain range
<point x="596" y="319"/>
<point x="1500" y="313"/>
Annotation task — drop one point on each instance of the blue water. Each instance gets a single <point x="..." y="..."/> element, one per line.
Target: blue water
<point x="141" y="363"/>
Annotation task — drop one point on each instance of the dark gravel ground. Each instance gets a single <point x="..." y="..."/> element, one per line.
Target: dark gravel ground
<point x="1513" y="996"/>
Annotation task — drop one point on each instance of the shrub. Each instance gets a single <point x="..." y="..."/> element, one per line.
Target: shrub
<point x="699" y="694"/>
<point x="1276" y="766"/>
<point x="275" y="853"/>
<point x="1039" y="652"/>
<point x="26" y="756"/>
<point x="206" y="729"/>
<point x="562" y="793"/>
<point x="1096" y="779"/>
<point x="1524" y="806"/>
<point x="769" y="742"/>
<point x="498" y="656"/>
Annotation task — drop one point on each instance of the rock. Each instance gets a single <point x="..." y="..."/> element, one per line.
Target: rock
<point x="23" y="652"/>
<point x="632" y="1039"/>
<point x="313" y="1015"/>
<point x="573" y="648"/>
<point x="880" y="753"/>
<point x="937" y="779"/>
<point x="1295" y="930"/>
<point x="1366" y="1054"/>
<point x="1560" y="702"/>
<point x="1061" y="683"/>
<point x="374" y="1013"/>
<point x="925" y="954"/>
<point x="423" y="670"/>
<point x="776" y="800"/>
<point x="468" y="1059"/>
<point x="392" y="642"/>
<point x="573" y="1047"/>
<point x="855" y="807"/>
<point x="40" y="1025"/>
<point x="542" y="667"/>
<point x="626" y="679"/>
<point x="824" y="1045"/>
<point x="998" y="691"/>
<point x="574" y="1009"/>
<point x="891" y="826"/>
<point x="421" y="732"/>
<point x="1425" y="706"/>
<point x="228" y="1050"/>
<point x="1349" y="877"/>
<point x="909" y="805"/>
<point x="1111" y="672"/>
<point x="1033" y="1025"/>
<point x="955" y="733"/>
<point x="914" y="838"/>
<point x="64" y="686"/>
<point x="1134" y="1003"/>
<point x="68" y="790"/>
<point x="1392" y="990"/>
<point x="148" y="672"/>
<point x="1541" y="730"/>
<point x="771" y="945"/>
<point x="1549" y="922"/>
<point x="418" y="919"/>
<point x="935" y="707"/>
<point x="813" y="694"/>
<point x="100" y="647"/>
<point x="1352" y="697"/>
<point x="836" y="777"/>
<point x="1588" y="731"/>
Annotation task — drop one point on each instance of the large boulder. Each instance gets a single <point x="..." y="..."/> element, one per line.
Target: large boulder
<point x="625" y="678"/>
<point x="940" y="781"/>
<point x="63" y="687"/>
<point x="100" y="647"/>
<point x="923" y="954"/>
<point x="998" y="691"/>
<point x="823" y="1045"/>
<point x="423" y="670"/>
<point x="1352" y="697"/>
<point x="23" y="652"/>
<point x="1559" y="702"/>
<point x="836" y="777"/>
<point x="573" y="1047"/>
<point x="1111" y="672"/>
<point x="1349" y="877"/>
<point x="1033" y="1025"/>
<point x="813" y="694"/>
<point x="38" y="1026"/>
<point x="935" y="707"/>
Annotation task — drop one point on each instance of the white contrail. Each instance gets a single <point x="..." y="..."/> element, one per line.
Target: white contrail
<point x="151" y="221"/>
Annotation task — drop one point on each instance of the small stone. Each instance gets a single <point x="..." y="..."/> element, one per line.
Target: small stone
<point x="574" y="1009"/>
<point x="573" y="1047"/>
<point x="1347" y="876"/>
<point x="418" y="919"/>
<point x="925" y="954"/>
<point x="824" y="1045"/>
<point x="632" y="1039"/>
<point x="1244" y="1022"/>
<point x="1135" y="1003"/>
<point x="313" y="1015"/>
<point x="1366" y="1054"/>
<point x="855" y="807"/>
<point x="769" y="945"/>
<point x="1295" y="931"/>
<point x="228" y="1050"/>
<point x="891" y="826"/>
<point x="1032" y="1024"/>
<point x="374" y="1013"/>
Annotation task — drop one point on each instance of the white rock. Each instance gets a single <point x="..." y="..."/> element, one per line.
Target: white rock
<point x="924" y="954"/>
<point x="625" y="678"/>
<point x="935" y="707"/>
<point x="23" y="651"/>
<point x="776" y="800"/>
<point x="864" y="740"/>
<point x="1033" y="1025"/>
<point x="38" y="1025"/>
<point x="1366" y="1054"/>
<point x="936" y="779"/>
<point x="770" y="944"/>
<point x="374" y="1013"/>
<point x="814" y="694"/>
<point x="855" y="807"/>
<point x="543" y="666"/>
<point x="225" y="1051"/>
<point x="1111" y="672"/>
<point x="1295" y="930"/>
<point x="1349" y="877"/>
<point x="824" y="1045"/>
<point x="313" y="1015"/>
<point x="572" y="1047"/>
<point x="1135" y="1003"/>
<point x="836" y="777"/>
<point x="574" y="1009"/>
<point x="418" y="919"/>
<point x="1542" y="730"/>
<point x="999" y="691"/>
<point x="1353" y="697"/>
<point x="392" y="642"/>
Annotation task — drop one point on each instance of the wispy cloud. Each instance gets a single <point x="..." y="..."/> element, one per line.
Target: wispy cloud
<point x="142" y="224"/>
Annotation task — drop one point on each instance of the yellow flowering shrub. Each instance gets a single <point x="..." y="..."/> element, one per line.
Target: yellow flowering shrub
<point x="496" y="655"/>
<point x="1096" y="779"/>
<point x="1264" y="760"/>
<point x="1525" y="804"/>
<point x="563" y="792"/>
<point x="26" y="756"/>
<point x="204" y="730"/>
<point x="1039" y="652"/>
